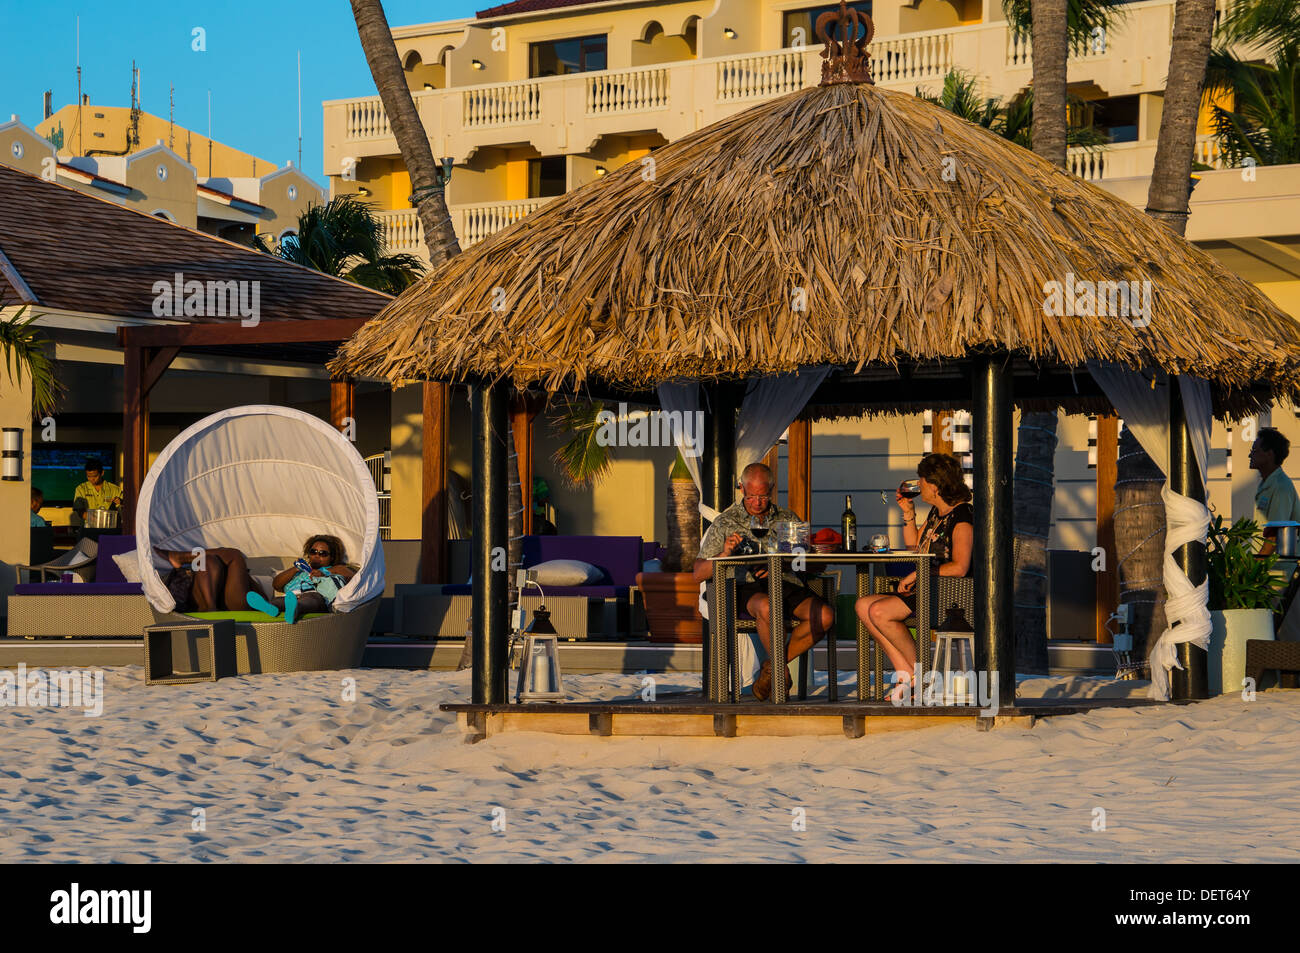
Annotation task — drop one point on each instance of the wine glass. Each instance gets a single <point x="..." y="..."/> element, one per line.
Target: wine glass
<point x="758" y="529"/>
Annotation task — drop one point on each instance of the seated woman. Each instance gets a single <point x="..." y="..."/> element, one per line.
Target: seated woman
<point x="949" y="533"/>
<point x="223" y="583"/>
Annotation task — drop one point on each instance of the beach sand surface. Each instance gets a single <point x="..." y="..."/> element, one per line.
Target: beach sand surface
<point x="284" y="768"/>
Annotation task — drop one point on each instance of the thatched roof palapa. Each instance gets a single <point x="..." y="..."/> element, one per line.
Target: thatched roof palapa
<point x="842" y="224"/>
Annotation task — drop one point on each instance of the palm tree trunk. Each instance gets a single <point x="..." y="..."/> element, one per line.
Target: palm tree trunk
<point x="427" y="193"/>
<point x="1139" y="510"/>
<point x="1188" y="55"/>
<point x="404" y="119"/>
<point x="1051" y="47"/>
<point x="1140" y="542"/>
<point x="683" y="526"/>
<point x="1036" y="439"/>
<point x="1034" y="473"/>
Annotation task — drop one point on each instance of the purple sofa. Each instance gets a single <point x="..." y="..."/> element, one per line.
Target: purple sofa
<point x="618" y="557"/>
<point x="109" y="580"/>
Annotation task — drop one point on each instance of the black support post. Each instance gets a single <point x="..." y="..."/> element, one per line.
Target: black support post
<point x="491" y="605"/>
<point x="992" y="557"/>
<point x="1193" y="679"/>
<point x="721" y="446"/>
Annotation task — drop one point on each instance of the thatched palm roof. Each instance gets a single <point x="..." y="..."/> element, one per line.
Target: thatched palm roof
<point x="912" y="234"/>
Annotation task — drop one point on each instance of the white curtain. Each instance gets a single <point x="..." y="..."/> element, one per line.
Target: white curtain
<point x="1145" y="410"/>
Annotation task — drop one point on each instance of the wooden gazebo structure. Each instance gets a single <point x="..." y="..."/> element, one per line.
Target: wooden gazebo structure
<point x="843" y="226"/>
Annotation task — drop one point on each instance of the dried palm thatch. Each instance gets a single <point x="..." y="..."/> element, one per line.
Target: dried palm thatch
<point x="843" y="225"/>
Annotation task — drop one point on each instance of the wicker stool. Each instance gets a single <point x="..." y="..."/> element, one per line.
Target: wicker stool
<point x="1264" y="655"/>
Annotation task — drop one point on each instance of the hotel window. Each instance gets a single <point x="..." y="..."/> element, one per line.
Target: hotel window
<point x="805" y="22"/>
<point x="580" y="54"/>
<point x="546" y="177"/>
<point x="1116" y="118"/>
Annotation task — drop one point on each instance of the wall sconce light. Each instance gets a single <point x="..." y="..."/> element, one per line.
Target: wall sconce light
<point x="428" y="85"/>
<point x="477" y="64"/>
<point x="601" y="170"/>
<point x="729" y="33"/>
<point x="12" y="454"/>
<point x="363" y="191"/>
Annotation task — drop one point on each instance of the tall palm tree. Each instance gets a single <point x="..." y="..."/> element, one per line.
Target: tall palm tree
<point x="1263" y="124"/>
<point x="1139" y="536"/>
<point x="427" y="193"/>
<point x="346" y="239"/>
<point x="22" y="354"/>
<point x="1013" y="120"/>
<point x="1273" y="23"/>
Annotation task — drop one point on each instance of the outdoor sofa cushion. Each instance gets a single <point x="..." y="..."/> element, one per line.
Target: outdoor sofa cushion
<point x="591" y="592"/>
<point x="250" y="615"/>
<point x="618" y="556"/>
<point x="568" y="572"/>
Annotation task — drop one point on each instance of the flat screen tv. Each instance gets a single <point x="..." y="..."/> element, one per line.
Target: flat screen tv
<point x="59" y="468"/>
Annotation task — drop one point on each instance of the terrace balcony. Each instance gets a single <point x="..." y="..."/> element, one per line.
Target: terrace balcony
<point x="570" y="113"/>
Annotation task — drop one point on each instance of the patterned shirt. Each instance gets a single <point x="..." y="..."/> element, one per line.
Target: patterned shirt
<point x="936" y="535"/>
<point x="735" y="519"/>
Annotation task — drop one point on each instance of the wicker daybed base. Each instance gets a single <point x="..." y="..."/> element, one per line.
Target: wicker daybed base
<point x="329" y="642"/>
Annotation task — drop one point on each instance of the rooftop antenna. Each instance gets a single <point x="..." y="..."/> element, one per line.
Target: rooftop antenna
<point x="133" y="131"/>
<point x="171" y="115"/>
<point x="81" y="142"/>
<point x="300" y="109"/>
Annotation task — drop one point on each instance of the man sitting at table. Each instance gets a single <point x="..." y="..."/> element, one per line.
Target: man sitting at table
<point x="810" y="615"/>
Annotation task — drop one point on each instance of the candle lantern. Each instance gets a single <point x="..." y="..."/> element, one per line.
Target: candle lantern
<point x="539" y="664"/>
<point x="954" y="658"/>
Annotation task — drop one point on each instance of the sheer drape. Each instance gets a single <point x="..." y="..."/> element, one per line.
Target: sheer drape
<point x="1145" y="410"/>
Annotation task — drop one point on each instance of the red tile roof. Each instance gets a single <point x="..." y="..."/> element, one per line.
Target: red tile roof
<point x="527" y="6"/>
<point x="77" y="252"/>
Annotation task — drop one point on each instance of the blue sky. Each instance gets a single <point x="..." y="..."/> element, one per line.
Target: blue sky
<point x="249" y="64"/>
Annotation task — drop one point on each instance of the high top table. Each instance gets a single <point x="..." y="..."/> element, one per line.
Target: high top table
<point x="724" y="678"/>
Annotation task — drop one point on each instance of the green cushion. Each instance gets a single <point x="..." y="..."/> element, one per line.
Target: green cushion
<point x="251" y="615"/>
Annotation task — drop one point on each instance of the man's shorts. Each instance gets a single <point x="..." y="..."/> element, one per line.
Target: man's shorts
<point x="792" y="594"/>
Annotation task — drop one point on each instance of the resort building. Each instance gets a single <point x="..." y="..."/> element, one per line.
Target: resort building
<point x="176" y="175"/>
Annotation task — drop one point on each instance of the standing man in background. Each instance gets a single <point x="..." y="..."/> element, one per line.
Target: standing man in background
<point x="1275" y="500"/>
<point x="96" y="493"/>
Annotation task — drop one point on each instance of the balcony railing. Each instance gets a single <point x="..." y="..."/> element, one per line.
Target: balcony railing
<point x="1127" y="159"/>
<point x="760" y="76"/>
<point x="365" y="119"/>
<point x="911" y="58"/>
<point x="473" y="223"/>
<point x="500" y="105"/>
<point x="627" y="91"/>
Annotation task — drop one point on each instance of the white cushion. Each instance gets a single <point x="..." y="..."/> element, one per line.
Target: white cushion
<point x="567" y="572"/>
<point x="128" y="564"/>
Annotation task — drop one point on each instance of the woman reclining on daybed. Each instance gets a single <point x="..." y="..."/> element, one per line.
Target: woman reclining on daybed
<point x="225" y="584"/>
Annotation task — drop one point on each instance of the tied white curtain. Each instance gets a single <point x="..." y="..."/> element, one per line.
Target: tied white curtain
<point x="768" y="408"/>
<point x="1145" y="410"/>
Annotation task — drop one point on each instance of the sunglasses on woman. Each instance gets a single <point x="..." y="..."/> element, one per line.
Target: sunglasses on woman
<point x="320" y="552"/>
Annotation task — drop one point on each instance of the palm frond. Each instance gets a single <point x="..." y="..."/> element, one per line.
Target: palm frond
<point x="1083" y="18"/>
<point x="22" y="352"/>
<point x="1274" y="23"/>
<point x="585" y="459"/>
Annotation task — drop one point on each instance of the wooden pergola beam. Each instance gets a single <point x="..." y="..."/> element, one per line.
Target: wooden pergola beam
<point x="799" y="474"/>
<point x="1107" y="582"/>
<point x="142" y="368"/>
<point x="232" y="333"/>
<point x="343" y="398"/>
<point x="434" y="553"/>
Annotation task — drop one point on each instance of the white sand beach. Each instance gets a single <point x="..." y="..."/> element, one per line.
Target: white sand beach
<point x="285" y="770"/>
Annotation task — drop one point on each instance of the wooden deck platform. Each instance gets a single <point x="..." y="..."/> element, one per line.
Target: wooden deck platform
<point x="691" y="716"/>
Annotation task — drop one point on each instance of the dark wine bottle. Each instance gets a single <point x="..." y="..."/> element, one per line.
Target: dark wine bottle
<point x="849" y="526"/>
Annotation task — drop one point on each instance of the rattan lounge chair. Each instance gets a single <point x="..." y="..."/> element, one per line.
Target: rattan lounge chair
<point x="80" y="560"/>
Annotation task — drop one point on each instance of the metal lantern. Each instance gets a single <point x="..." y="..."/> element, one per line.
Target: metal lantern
<point x="539" y="665"/>
<point x="954" y="658"/>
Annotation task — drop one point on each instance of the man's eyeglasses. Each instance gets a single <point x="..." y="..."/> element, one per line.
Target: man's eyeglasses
<point x="762" y="496"/>
<point x="320" y="552"/>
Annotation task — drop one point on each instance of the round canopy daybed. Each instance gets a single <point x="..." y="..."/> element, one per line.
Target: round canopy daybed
<point x="262" y="479"/>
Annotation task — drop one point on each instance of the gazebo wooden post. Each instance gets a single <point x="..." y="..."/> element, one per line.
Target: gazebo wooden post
<point x="798" y="495"/>
<point x="142" y="368"/>
<point x="1107" y="582"/>
<point x="491" y="598"/>
<point x="994" y="582"/>
<point x="433" y="482"/>
<point x="1192" y="681"/>
<point x="523" y="413"/>
<point x="343" y="395"/>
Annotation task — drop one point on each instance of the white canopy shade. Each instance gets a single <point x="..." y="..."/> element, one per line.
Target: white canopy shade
<point x="260" y="479"/>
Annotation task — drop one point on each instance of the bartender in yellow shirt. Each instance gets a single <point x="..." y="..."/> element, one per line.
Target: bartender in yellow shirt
<point x="96" y="493"/>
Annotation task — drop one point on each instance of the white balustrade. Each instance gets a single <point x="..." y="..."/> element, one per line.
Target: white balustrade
<point x="502" y="104"/>
<point x="403" y="231"/>
<point x="1207" y="152"/>
<point x="1020" y="49"/>
<point x="476" y="222"/>
<point x="761" y="75"/>
<point x="627" y="91"/>
<point x="1088" y="164"/>
<point x="919" y="56"/>
<point x="366" y="119"/>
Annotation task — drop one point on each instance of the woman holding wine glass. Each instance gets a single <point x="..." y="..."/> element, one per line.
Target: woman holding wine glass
<point x="948" y="533"/>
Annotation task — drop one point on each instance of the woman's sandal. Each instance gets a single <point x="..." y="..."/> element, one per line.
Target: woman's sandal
<point x="902" y="688"/>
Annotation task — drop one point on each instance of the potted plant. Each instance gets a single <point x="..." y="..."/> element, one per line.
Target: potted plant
<point x="672" y="596"/>
<point x="1243" y="593"/>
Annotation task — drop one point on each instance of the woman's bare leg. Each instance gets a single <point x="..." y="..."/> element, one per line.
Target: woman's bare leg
<point x="237" y="580"/>
<point x="864" y="611"/>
